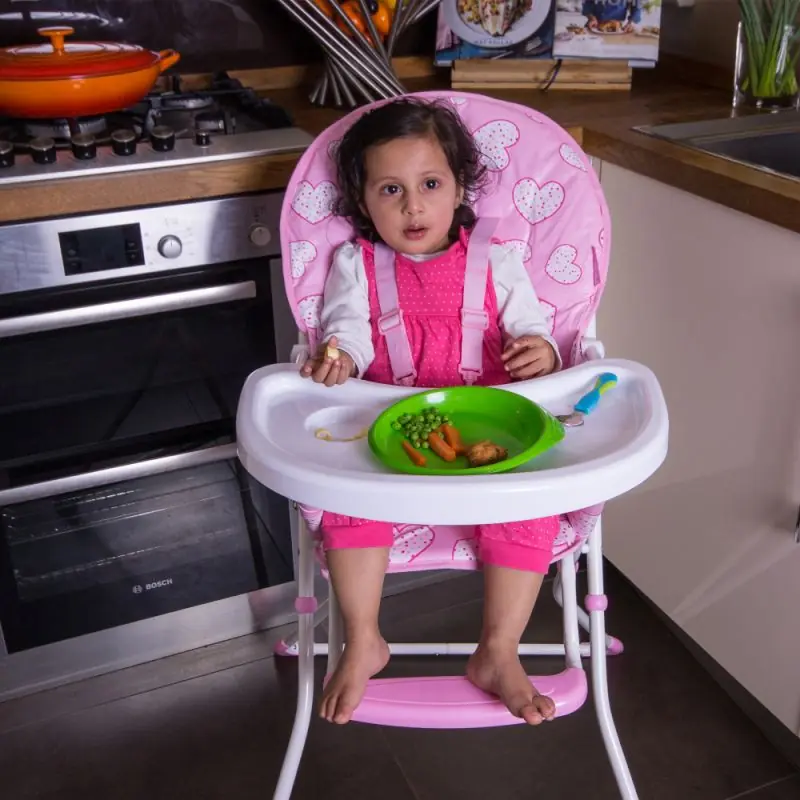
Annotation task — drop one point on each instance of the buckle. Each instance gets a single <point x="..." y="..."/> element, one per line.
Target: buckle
<point x="470" y="376"/>
<point x="388" y="322"/>
<point x="475" y="320"/>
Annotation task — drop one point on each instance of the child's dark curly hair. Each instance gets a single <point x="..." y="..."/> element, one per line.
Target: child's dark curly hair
<point x="408" y="117"/>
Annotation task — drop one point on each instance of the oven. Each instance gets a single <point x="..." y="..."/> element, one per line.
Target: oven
<point x="125" y="516"/>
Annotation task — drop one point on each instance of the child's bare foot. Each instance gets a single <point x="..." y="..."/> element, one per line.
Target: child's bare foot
<point x="361" y="660"/>
<point x="498" y="671"/>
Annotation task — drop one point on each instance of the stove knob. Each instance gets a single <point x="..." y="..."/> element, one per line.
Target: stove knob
<point x="170" y="246"/>
<point x="84" y="146"/>
<point x="6" y="154"/>
<point x="162" y="138"/>
<point x="260" y="235"/>
<point x="202" y="138"/>
<point x="123" y="142"/>
<point x="43" y="150"/>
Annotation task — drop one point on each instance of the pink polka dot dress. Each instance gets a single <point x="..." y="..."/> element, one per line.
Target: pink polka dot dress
<point x="431" y="295"/>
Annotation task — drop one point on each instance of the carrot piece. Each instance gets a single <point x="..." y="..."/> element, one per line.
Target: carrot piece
<point x="413" y="454"/>
<point x="441" y="448"/>
<point x="453" y="438"/>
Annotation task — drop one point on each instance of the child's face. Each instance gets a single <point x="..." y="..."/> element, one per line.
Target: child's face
<point x="411" y="194"/>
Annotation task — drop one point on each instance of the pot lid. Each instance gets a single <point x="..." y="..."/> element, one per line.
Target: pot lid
<point x="58" y="59"/>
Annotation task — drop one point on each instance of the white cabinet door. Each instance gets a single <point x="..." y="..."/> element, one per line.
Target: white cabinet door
<point x="710" y="299"/>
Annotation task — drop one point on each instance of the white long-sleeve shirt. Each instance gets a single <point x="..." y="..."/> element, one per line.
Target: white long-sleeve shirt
<point x="346" y="313"/>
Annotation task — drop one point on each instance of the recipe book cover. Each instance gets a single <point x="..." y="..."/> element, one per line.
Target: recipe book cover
<point x="619" y="29"/>
<point x="494" y="29"/>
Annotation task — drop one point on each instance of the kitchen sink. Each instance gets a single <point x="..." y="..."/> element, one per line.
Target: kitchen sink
<point x="767" y="141"/>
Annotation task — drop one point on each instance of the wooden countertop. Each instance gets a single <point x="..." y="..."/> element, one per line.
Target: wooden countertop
<point x="602" y="122"/>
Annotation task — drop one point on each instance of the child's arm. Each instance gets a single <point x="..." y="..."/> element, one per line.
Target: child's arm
<point x="345" y="317"/>
<point x="522" y="316"/>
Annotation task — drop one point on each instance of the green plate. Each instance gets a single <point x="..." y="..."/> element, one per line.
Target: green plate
<point x="521" y="426"/>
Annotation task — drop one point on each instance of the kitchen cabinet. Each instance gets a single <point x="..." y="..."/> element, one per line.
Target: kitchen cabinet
<point x="709" y="298"/>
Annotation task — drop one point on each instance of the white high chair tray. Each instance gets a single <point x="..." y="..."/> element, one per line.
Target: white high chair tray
<point x="619" y="446"/>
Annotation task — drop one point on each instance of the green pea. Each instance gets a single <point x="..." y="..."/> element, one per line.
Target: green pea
<point x="396" y="426"/>
<point x="425" y="446"/>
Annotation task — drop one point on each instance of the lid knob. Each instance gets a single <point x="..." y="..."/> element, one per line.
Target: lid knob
<point x="56" y="36"/>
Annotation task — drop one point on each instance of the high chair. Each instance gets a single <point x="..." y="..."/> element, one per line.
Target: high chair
<point x="545" y="201"/>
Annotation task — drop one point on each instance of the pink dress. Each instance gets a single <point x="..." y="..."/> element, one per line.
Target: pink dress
<point x="430" y="294"/>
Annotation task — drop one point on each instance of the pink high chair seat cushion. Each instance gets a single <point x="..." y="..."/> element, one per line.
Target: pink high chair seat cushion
<point x="551" y="210"/>
<point x="542" y="188"/>
<point x="419" y="548"/>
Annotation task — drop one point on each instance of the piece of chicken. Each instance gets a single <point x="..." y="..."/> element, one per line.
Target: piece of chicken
<point x="486" y="452"/>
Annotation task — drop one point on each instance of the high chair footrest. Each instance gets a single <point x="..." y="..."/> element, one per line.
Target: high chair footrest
<point x="453" y="702"/>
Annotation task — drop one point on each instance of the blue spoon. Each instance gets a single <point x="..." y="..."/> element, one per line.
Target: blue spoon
<point x="589" y="401"/>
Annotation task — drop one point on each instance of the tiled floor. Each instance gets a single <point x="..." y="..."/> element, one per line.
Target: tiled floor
<point x="214" y="723"/>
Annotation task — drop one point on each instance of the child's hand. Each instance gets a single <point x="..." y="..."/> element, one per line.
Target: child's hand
<point x="331" y="366"/>
<point x="529" y="357"/>
<point x="591" y="23"/>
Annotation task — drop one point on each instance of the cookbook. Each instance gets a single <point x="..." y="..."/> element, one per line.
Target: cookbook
<point x="619" y="29"/>
<point x="494" y="29"/>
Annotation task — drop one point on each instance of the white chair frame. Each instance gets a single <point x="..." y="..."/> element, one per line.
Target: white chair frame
<point x="302" y="644"/>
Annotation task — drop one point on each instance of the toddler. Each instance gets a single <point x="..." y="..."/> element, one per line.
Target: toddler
<point x="408" y="173"/>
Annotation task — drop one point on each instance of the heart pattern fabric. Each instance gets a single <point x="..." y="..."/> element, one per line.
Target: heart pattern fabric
<point x="537" y="203"/>
<point x="302" y="254"/>
<point x="410" y="541"/>
<point x="513" y="245"/>
<point x="494" y="140"/>
<point x="315" y="203"/>
<point x="561" y="266"/>
<point x="569" y="156"/>
<point x="309" y="308"/>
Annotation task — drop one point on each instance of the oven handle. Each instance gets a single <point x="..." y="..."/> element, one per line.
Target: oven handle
<point x="126" y="309"/>
<point x="124" y="472"/>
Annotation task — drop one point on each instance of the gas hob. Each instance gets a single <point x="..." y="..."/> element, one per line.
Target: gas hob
<point x="167" y="129"/>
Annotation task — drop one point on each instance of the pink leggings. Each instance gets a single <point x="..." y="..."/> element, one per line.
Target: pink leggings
<point x="525" y="546"/>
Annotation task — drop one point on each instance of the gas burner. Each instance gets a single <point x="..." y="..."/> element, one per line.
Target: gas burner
<point x="219" y="120"/>
<point x="64" y="129"/>
<point x="186" y="102"/>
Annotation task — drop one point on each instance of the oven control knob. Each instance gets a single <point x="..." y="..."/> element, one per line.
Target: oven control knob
<point x="170" y="246"/>
<point x="123" y="142"/>
<point x="260" y="235"/>
<point x="43" y="150"/>
<point x="6" y="154"/>
<point x="84" y="146"/>
<point x="162" y="138"/>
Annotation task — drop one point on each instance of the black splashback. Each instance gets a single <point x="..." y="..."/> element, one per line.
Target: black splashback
<point x="210" y="34"/>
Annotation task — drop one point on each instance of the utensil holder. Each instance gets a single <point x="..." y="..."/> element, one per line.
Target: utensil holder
<point x="358" y="62"/>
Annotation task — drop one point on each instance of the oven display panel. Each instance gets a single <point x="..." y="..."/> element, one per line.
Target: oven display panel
<point x="100" y="249"/>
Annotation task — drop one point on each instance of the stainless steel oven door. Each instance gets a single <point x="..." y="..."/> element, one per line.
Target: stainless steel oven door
<point x="121" y="497"/>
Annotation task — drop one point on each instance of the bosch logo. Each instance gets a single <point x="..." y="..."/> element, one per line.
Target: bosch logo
<point x="154" y="585"/>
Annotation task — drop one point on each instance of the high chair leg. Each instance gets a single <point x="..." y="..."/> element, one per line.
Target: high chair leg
<point x="306" y="605"/>
<point x="613" y="645"/>
<point x="596" y="602"/>
<point x="288" y="645"/>
<point x="572" y="642"/>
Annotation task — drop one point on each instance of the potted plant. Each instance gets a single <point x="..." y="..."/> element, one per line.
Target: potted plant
<point x="767" y="51"/>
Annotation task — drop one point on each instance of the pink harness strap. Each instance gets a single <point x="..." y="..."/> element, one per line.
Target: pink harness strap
<point x="474" y="320"/>
<point x="390" y="323"/>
